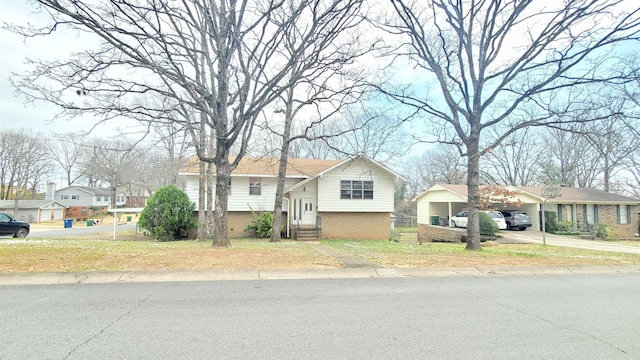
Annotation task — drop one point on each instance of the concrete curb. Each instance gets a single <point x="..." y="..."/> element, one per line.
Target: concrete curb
<point x="7" y="279"/>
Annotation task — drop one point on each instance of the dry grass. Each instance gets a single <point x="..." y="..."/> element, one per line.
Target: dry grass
<point x="442" y="255"/>
<point x="134" y="252"/>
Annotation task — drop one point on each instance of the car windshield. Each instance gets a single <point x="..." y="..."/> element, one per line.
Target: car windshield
<point x="521" y="216"/>
<point x="495" y="215"/>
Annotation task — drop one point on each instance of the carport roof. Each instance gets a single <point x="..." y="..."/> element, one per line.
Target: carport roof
<point x="569" y="194"/>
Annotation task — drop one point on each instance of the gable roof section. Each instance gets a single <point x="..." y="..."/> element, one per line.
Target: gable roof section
<point x="341" y="163"/>
<point x="569" y="194"/>
<point x="29" y="204"/>
<point x="268" y="167"/>
<point x="89" y="190"/>
<point x="457" y="190"/>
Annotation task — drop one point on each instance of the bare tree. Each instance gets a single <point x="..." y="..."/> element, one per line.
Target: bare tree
<point x="220" y="60"/>
<point x="570" y="160"/>
<point x="504" y="65"/>
<point x="516" y="162"/>
<point x="112" y="162"/>
<point x="439" y="165"/>
<point x="66" y="150"/>
<point x="25" y="163"/>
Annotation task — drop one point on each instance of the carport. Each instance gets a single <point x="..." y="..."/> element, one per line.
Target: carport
<point x="438" y="204"/>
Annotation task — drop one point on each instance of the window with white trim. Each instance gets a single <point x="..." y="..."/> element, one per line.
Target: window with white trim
<point x="255" y="186"/>
<point x="356" y="189"/>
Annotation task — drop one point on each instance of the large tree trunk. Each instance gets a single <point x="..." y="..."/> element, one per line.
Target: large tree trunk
<point x="202" y="210"/>
<point x="202" y="184"/>
<point x="220" y="233"/>
<point x="277" y="207"/>
<point x="282" y="167"/>
<point x="473" y="196"/>
<point x="210" y="201"/>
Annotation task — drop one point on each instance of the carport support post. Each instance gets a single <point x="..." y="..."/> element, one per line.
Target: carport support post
<point x="114" y="225"/>
<point x="548" y="191"/>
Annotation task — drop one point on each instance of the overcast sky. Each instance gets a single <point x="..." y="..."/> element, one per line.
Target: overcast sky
<point x="14" y="113"/>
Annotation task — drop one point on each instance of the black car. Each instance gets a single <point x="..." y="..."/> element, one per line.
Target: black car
<point x="516" y="219"/>
<point x="11" y="226"/>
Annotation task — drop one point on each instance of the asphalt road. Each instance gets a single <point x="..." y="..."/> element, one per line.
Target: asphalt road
<point x="511" y="317"/>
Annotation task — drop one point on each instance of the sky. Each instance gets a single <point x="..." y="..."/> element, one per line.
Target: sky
<point x="15" y="113"/>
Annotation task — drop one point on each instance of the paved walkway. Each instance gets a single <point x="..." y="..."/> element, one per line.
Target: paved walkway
<point x="535" y="237"/>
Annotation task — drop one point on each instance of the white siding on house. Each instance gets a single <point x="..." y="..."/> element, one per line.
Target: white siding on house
<point x="358" y="169"/>
<point x="82" y="198"/>
<point x="423" y="212"/>
<point x="309" y="189"/>
<point x="240" y="200"/>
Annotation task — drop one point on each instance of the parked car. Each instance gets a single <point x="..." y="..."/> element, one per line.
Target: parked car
<point x="11" y="226"/>
<point x="516" y="219"/>
<point x="498" y="218"/>
<point x="461" y="219"/>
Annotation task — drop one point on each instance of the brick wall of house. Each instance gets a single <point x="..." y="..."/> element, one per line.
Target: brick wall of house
<point x="238" y="221"/>
<point x="376" y="226"/>
<point x="428" y="233"/>
<point x="608" y="214"/>
<point x="83" y="212"/>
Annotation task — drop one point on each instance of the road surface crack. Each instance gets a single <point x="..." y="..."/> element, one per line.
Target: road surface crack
<point x="134" y="307"/>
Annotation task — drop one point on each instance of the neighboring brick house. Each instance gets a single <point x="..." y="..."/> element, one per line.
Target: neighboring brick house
<point x="577" y="205"/>
<point x="85" y="201"/>
<point x="352" y="198"/>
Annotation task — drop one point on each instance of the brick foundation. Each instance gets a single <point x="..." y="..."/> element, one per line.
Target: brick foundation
<point x="376" y="226"/>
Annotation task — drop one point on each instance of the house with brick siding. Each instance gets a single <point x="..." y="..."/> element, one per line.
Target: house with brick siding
<point x="577" y="205"/>
<point x="85" y="201"/>
<point x="352" y="198"/>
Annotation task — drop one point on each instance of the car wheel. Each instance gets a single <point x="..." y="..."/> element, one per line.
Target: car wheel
<point x="508" y="226"/>
<point x="21" y="233"/>
<point x="522" y="228"/>
<point x="453" y="224"/>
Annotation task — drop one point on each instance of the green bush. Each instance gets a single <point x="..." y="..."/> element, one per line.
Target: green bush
<point x="565" y="226"/>
<point x="262" y="224"/>
<point x="487" y="225"/>
<point x="603" y="231"/>
<point x="550" y="222"/>
<point x="168" y="215"/>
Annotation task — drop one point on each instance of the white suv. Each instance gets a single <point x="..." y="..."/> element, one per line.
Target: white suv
<point x="461" y="219"/>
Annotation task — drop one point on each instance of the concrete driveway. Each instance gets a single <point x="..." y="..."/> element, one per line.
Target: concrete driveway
<point x="535" y="237"/>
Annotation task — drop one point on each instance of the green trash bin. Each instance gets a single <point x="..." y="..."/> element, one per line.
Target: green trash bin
<point x="128" y="218"/>
<point x="435" y="220"/>
<point x="89" y="222"/>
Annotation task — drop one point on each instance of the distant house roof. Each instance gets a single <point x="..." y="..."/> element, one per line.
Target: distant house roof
<point x="28" y="204"/>
<point x="88" y="189"/>
<point x="568" y="194"/>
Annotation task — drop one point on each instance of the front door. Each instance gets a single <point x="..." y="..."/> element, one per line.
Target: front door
<point x="304" y="211"/>
<point x="309" y="213"/>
